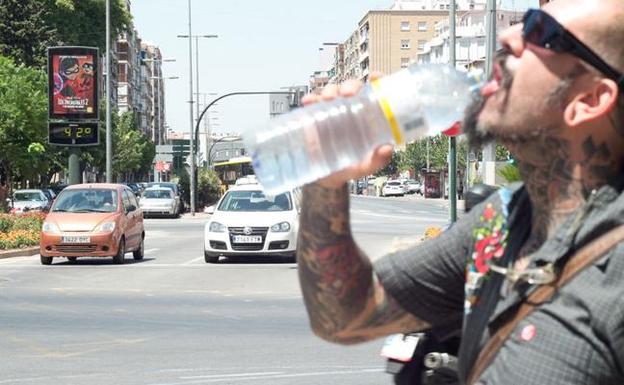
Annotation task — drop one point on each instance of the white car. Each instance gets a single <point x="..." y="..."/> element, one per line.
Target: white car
<point x="247" y="223"/>
<point x="412" y="186"/>
<point x="159" y="201"/>
<point x="393" y="187"/>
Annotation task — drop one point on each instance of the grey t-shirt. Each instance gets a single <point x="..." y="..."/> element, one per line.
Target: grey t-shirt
<point x="577" y="338"/>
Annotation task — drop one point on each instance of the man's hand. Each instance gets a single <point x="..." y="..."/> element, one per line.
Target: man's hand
<point x="373" y="161"/>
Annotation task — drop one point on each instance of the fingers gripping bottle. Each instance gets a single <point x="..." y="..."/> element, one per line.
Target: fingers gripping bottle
<point x="312" y="142"/>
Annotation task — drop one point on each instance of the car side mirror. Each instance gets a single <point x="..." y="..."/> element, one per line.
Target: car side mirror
<point x="8" y="200"/>
<point x="210" y="210"/>
<point x="131" y="208"/>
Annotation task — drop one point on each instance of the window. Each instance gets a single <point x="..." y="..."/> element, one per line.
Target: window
<point x="421" y="44"/>
<point x="404" y="62"/>
<point x="422" y="26"/>
<point x="405" y="44"/>
<point x="405" y="26"/>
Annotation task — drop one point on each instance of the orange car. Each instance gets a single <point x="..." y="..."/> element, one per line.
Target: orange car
<point x="93" y="220"/>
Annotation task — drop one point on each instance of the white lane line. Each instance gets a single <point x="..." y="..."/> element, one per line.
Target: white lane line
<point x="193" y="261"/>
<point x="231" y="375"/>
<point x="253" y="376"/>
<point x="150" y="251"/>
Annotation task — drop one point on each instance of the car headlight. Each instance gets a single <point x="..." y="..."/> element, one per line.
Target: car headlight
<point x="49" y="227"/>
<point x="281" y="227"/>
<point x="105" y="227"/>
<point x="216" y="227"/>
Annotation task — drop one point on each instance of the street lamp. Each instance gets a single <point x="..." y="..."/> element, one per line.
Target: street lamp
<point x="192" y="148"/>
<point x="158" y="77"/>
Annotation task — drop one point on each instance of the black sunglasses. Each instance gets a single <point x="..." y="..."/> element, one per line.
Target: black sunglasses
<point x="543" y="30"/>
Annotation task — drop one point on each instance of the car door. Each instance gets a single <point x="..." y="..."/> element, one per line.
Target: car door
<point x="130" y="219"/>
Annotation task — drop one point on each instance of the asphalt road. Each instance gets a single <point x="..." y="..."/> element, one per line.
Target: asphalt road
<point x="172" y="319"/>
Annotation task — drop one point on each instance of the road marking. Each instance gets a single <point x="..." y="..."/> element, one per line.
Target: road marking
<point x="231" y="375"/>
<point x="193" y="261"/>
<point x="227" y="378"/>
<point x="150" y="251"/>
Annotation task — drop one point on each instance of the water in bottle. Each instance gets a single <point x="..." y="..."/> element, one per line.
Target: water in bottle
<point x="312" y="142"/>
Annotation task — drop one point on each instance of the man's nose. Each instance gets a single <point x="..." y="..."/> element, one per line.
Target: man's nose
<point x="512" y="41"/>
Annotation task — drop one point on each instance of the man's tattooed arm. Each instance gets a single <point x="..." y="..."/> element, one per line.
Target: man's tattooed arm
<point x="345" y="302"/>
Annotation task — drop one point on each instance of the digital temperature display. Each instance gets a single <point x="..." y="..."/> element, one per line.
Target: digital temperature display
<point x="73" y="134"/>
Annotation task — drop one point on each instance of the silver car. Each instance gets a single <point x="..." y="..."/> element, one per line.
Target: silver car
<point x="159" y="201"/>
<point x="30" y="199"/>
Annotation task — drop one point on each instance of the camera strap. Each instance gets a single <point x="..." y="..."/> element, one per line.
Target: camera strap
<point x="575" y="264"/>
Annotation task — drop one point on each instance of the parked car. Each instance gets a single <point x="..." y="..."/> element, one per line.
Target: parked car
<point x="246" y="222"/>
<point x="93" y="220"/>
<point x="412" y="186"/>
<point x="135" y="187"/>
<point x="159" y="201"/>
<point x="28" y="200"/>
<point x="177" y="192"/>
<point x="393" y="188"/>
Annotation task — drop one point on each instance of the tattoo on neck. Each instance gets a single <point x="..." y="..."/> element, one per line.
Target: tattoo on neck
<point x="559" y="178"/>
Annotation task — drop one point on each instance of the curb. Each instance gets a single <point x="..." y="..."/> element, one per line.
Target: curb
<point x="25" y="252"/>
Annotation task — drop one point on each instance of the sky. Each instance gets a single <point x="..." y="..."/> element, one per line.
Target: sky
<point x="261" y="46"/>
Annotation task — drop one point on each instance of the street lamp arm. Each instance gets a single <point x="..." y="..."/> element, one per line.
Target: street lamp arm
<point x="199" y="119"/>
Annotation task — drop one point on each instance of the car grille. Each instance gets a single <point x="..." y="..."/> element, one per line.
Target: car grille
<point x="75" y="248"/>
<point x="262" y="231"/>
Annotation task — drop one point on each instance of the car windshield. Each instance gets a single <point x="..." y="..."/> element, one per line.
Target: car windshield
<point x="87" y="200"/>
<point x="157" y="194"/>
<point x="28" y="196"/>
<point x="255" y="200"/>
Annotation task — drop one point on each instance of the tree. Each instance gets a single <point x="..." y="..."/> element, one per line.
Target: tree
<point x="131" y="149"/>
<point x="25" y="32"/>
<point x="27" y="27"/>
<point x="23" y="121"/>
<point x="208" y="184"/>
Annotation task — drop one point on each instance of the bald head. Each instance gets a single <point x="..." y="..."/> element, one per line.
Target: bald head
<point x="598" y="23"/>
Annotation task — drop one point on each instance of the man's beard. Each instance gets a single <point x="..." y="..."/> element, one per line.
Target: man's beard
<point x="477" y="136"/>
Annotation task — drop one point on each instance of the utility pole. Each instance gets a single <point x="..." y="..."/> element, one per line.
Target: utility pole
<point x="191" y="120"/>
<point x="109" y="136"/>
<point x="489" y="150"/>
<point x="452" y="139"/>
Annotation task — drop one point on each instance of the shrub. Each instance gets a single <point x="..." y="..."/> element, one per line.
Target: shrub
<point x="20" y="231"/>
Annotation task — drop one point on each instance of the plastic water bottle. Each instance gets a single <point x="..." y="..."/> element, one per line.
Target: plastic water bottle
<point x="312" y="142"/>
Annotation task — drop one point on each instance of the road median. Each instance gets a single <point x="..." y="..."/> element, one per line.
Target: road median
<point x="24" y="252"/>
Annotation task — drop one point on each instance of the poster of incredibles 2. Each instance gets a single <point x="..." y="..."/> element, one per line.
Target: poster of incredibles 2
<point x="73" y="82"/>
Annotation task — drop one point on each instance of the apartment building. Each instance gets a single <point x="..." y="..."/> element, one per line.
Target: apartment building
<point x="470" y="43"/>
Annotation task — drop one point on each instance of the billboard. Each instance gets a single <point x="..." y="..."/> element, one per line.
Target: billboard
<point x="73" y="134"/>
<point x="73" y="74"/>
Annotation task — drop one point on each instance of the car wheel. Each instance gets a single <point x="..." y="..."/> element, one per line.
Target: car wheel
<point x="46" y="260"/>
<point x="72" y="259"/>
<point x="140" y="252"/>
<point x="120" y="257"/>
<point x="210" y="258"/>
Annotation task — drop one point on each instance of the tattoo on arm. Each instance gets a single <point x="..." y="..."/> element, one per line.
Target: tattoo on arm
<point x="344" y="301"/>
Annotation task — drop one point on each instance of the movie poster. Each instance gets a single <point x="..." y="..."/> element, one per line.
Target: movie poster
<point x="73" y="82"/>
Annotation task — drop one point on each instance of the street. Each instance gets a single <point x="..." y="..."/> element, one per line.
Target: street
<point x="172" y="319"/>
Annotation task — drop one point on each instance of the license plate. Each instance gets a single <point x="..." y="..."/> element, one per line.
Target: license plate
<point x="399" y="347"/>
<point x="247" y="239"/>
<point x="76" y="239"/>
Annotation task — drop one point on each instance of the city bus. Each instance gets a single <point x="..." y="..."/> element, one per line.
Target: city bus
<point x="233" y="169"/>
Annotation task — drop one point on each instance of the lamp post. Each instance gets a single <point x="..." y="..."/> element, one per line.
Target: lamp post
<point x="192" y="139"/>
<point x="109" y="136"/>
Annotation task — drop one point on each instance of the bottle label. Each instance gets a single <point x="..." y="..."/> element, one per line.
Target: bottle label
<point x="387" y="110"/>
<point x="399" y="97"/>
